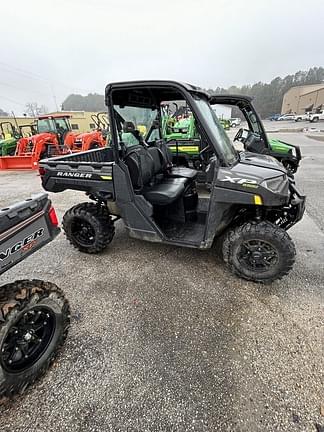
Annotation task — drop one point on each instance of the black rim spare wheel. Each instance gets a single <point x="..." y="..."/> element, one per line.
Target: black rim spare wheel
<point x="28" y="339"/>
<point x="34" y="321"/>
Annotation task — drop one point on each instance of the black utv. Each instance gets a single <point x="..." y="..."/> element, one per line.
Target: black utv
<point x="34" y="315"/>
<point x="250" y="206"/>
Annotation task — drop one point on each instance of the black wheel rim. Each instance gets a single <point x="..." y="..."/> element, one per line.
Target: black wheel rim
<point x="28" y="339"/>
<point x="258" y="255"/>
<point x="83" y="232"/>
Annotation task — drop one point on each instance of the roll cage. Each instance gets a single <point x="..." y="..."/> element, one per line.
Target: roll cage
<point x="13" y="130"/>
<point x="150" y="94"/>
<point x="245" y="105"/>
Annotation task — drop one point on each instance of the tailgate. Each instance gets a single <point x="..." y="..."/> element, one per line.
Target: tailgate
<point x="24" y="228"/>
<point x="90" y="172"/>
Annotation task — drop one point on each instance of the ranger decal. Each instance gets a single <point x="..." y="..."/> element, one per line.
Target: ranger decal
<point x="73" y="174"/>
<point x="21" y="244"/>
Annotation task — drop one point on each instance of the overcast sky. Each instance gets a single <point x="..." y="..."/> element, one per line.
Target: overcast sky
<point x="51" y="48"/>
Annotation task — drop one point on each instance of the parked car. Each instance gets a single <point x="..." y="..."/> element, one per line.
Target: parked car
<point x="300" y="117"/>
<point x="315" y="117"/>
<point x="286" y="117"/>
<point x="274" y="117"/>
<point x="236" y="121"/>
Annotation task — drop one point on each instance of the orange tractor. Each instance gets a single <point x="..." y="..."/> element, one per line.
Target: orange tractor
<point x="91" y="140"/>
<point x="54" y="137"/>
<point x="52" y="130"/>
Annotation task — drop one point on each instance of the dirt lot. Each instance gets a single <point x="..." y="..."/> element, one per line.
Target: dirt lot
<point x="166" y="339"/>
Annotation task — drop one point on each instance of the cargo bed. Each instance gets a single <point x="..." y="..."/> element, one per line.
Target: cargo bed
<point x="90" y="171"/>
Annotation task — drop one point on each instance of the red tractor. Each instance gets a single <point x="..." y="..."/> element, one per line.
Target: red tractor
<point x="91" y="140"/>
<point x="52" y="132"/>
<point x="54" y="137"/>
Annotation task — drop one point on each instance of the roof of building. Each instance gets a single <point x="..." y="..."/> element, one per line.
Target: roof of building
<point x="307" y="88"/>
<point x="313" y="91"/>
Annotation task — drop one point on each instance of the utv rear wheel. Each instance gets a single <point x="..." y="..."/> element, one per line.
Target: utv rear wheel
<point x="34" y="321"/>
<point x="260" y="252"/>
<point x="88" y="227"/>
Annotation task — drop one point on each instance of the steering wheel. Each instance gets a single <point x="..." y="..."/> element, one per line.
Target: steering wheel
<point x="239" y="134"/>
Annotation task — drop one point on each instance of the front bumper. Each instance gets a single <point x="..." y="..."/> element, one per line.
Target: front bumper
<point x="297" y="205"/>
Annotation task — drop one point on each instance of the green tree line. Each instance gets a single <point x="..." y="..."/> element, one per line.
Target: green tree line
<point x="267" y="96"/>
<point x="91" y="102"/>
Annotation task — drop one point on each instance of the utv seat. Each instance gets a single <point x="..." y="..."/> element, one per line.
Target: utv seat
<point x="166" y="192"/>
<point x="148" y="179"/>
<point x="162" y="165"/>
<point x="185" y="172"/>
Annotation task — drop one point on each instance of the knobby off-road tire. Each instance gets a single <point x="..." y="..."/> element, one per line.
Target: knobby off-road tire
<point x="260" y="252"/>
<point x="88" y="227"/>
<point x="34" y="321"/>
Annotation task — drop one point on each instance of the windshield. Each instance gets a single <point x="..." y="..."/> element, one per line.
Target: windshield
<point x="52" y="125"/>
<point x="45" y="125"/>
<point x="61" y="125"/>
<point x="225" y="146"/>
<point x="134" y="123"/>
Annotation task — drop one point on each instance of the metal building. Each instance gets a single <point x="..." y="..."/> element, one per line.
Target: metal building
<point x="301" y="99"/>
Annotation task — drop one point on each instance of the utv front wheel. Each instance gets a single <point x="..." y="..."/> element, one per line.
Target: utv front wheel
<point x="290" y="167"/>
<point x="88" y="227"/>
<point x="34" y="320"/>
<point x="260" y="252"/>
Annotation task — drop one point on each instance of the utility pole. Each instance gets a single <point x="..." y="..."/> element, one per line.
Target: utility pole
<point x="54" y="97"/>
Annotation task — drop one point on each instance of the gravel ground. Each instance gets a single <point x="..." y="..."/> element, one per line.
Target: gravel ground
<point x="166" y="339"/>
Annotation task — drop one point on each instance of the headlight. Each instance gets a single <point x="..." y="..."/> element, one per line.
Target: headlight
<point x="276" y="184"/>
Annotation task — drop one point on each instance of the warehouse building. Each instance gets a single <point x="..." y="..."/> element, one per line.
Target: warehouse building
<point x="301" y="99"/>
<point x="81" y="121"/>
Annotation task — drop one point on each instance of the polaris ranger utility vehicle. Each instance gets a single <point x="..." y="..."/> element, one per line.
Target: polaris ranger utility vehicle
<point x="34" y="315"/>
<point x="251" y="204"/>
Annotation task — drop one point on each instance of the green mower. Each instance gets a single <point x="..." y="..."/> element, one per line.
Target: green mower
<point x="9" y="143"/>
<point x="10" y="137"/>
<point x="226" y="124"/>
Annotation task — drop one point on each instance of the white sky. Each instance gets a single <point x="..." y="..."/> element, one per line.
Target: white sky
<point x="62" y="46"/>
